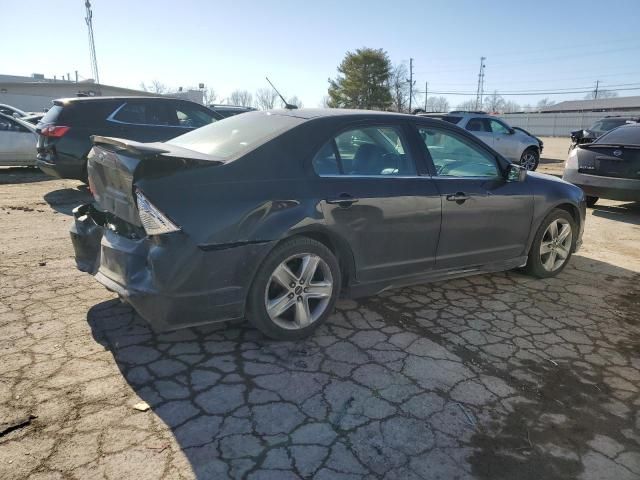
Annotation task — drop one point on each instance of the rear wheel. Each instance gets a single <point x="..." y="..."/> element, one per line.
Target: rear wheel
<point x="295" y="289"/>
<point x="591" y="201"/>
<point x="530" y="159"/>
<point x="553" y="245"/>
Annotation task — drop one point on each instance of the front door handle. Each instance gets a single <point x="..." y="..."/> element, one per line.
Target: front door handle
<point x="344" y="200"/>
<point x="458" y="197"/>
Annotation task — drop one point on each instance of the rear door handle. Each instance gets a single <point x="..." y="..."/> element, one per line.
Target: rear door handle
<point x="344" y="200"/>
<point x="458" y="197"/>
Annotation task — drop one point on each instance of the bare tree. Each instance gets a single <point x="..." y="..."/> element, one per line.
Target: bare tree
<point x="399" y="88"/>
<point x="295" y="101"/>
<point x="510" y="107"/>
<point x="266" y="98"/>
<point x="545" y="102"/>
<point x="209" y="96"/>
<point x="468" y="105"/>
<point x="324" y="103"/>
<point x="241" y="97"/>
<point x="437" y="104"/>
<point x="601" y="94"/>
<point x="494" y="102"/>
<point x="156" y="86"/>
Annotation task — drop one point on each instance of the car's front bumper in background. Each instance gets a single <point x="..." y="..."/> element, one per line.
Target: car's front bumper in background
<point x="168" y="279"/>
<point x="622" y="189"/>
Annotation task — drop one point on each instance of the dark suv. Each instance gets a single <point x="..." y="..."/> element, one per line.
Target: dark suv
<point x="64" y="132"/>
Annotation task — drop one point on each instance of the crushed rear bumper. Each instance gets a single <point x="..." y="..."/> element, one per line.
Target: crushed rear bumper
<point x="168" y="279"/>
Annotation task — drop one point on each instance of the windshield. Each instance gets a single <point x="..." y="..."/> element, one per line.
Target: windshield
<point x="237" y="135"/>
<point x="621" y="136"/>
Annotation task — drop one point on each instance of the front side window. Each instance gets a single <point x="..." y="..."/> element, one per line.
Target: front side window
<point x="498" y="127"/>
<point x="455" y="156"/>
<point x="366" y="151"/>
<point x="191" y="117"/>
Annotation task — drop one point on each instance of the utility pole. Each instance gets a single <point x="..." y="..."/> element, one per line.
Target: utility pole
<point x="92" y="45"/>
<point x="426" y="91"/>
<point x="480" y="84"/>
<point x="411" y="82"/>
<point x="595" y="94"/>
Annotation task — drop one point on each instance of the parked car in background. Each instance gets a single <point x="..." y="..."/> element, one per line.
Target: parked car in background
<point x="526" y="132"/>
<point x="517" y="146"/>
<point x="33" y="118"/>
<point x="64" y="133"/>
<point x="273" y="214"/>
<point x="17" y="142"/>
<point x="230" y="110"/>
<point x="12" y="111"/>
<point x="600" y="127"/>
<point x="609" y="167"/>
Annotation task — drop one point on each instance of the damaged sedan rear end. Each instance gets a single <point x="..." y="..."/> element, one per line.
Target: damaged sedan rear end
<point x="166" y="231"/>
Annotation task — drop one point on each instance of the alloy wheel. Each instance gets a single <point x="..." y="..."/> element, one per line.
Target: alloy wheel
<point x="556" y="243"/>
<point x="528" y="160"/>
<point x="298" y="291"/>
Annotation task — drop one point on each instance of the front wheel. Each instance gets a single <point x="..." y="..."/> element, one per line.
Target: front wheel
<point x="553" y="245"/>
<point x="530" y="159"/>
<point x="295" y="289"/>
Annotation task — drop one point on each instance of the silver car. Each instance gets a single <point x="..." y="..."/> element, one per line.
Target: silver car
<point x="17" y="142"/>
<point x="515" y="145"/>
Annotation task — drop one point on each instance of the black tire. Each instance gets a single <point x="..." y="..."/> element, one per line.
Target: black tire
<point x="534" y="265"/>
<point x="256" y="308"/>
<point x="591" y="201"/>
<point x="531" y="151"/>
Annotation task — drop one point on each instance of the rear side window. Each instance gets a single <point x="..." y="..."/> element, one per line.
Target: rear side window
<point x="478" y="125"/>
<point x="622" y="136"/>
<point x="367" y="151"/>
<point x="151" y="113"/>
<point x="52" y="114"/>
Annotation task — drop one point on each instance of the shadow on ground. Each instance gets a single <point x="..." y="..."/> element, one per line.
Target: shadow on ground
<point x="627" y="212"/>
<point x="494" y="376"/>
<point x="66" y="199"/>
<point x="16" y="175"/>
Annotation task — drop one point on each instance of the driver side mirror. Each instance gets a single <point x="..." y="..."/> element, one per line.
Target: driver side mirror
<point x="516" y="173"/>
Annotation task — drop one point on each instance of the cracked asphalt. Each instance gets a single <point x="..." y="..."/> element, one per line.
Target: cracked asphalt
<point x="490" y="377"/>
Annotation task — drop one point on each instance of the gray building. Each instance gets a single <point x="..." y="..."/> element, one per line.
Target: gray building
<point x="35" y="93"/>
<point x="614" y="104"/>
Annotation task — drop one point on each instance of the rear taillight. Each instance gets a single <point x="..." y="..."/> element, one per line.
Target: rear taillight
<point x="54" y="131"/>
<point x="152" y="219"/>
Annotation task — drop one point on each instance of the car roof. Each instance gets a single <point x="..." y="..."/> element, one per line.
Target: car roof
<point x="311" y="113"/>
<point x="65" y="101"/>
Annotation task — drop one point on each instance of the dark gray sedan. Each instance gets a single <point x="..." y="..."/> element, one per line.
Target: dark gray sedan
<point x="272" y="215"/>
<point x="609" y="167"/>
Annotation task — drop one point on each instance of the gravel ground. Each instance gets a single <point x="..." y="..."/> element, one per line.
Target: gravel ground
<point x="491" y="377"/>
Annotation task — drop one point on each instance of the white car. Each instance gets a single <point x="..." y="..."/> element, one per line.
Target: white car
<point x="17" y="142"/>
<point x="515" y="145"/>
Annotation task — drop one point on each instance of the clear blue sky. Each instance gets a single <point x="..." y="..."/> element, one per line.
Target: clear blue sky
<point x="233" y="44"/>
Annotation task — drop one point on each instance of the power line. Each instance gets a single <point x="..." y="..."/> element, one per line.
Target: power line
<point x="534" y="93"/>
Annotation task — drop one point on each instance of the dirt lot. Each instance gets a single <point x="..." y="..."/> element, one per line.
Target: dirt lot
<point x="491" y="377"/>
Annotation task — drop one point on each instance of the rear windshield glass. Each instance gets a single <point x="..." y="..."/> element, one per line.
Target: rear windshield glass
<point x="52" y="114"/>
<point x="451" y="119"/>
<point x="605" y="125"/>
<point x="621" y="136"/>
<point x="237" y="135"/>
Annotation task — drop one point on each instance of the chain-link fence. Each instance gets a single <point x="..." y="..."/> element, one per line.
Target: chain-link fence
<point x="557" y="124"/>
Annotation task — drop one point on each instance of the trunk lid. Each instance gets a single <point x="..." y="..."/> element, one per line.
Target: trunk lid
<point x="114" y="165"/>
<point x="615" y="161"/>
